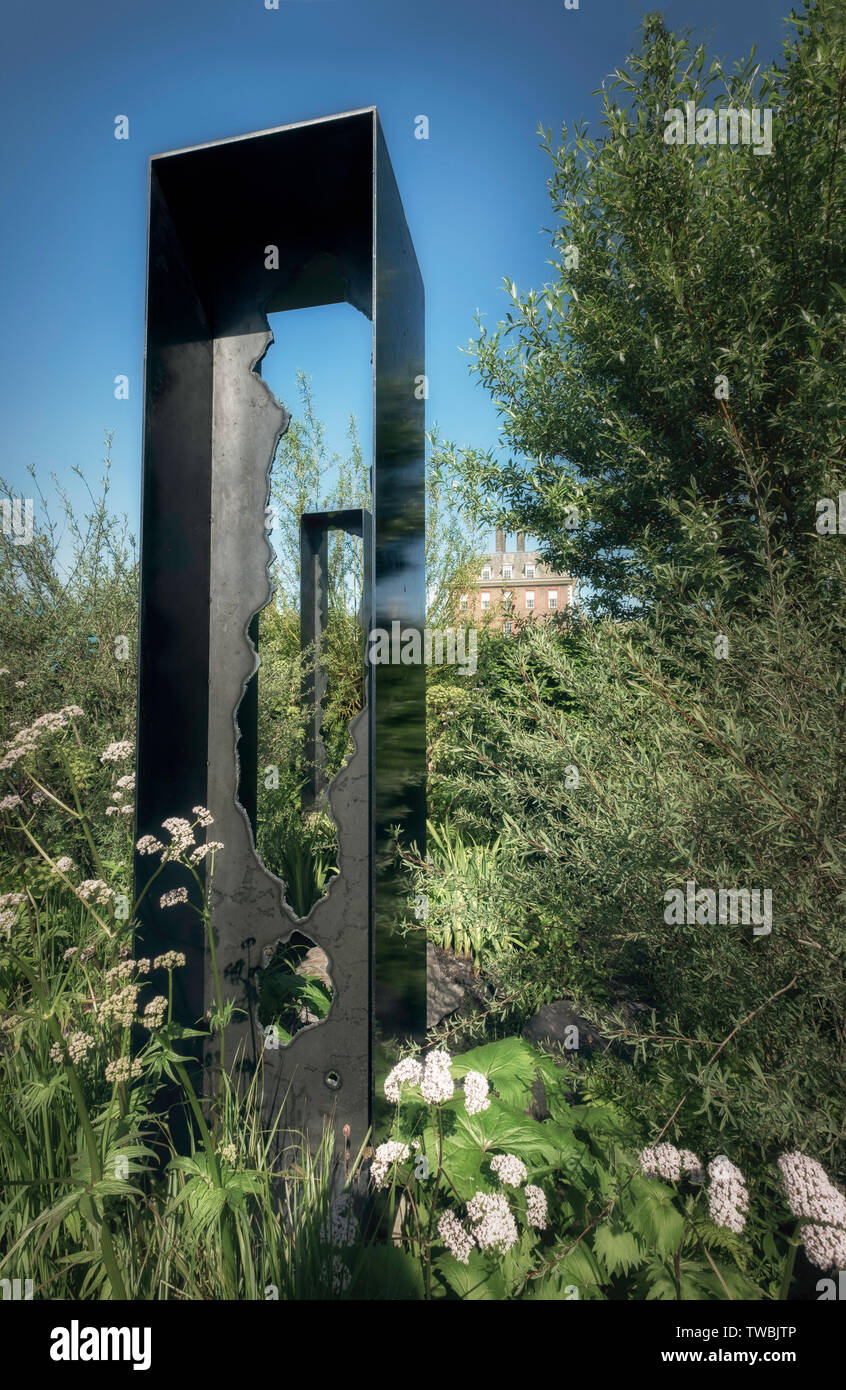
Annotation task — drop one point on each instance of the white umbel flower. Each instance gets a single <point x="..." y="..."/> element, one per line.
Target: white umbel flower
<point x="173" y="897"/>
<point x="116" y="752"/>
<point x="536" y="1208"/>
<point x="510" y="1169"/>
<point x="437" y="1084"/>
<point x="727" y="1195"/>
<point x="691" y="1165"/>
<point x="809" y="1190"/>
<point x="124" y="1069"/>
<point x="78" y="1045"/>
<point x="813" y="1197"/>
<point x="408" y="1072"/>
<point x="455" y="1237"/>
<point x="386" y="1155"/>
<point x="476" y="1098"/>
<point x="495" y="1227"/>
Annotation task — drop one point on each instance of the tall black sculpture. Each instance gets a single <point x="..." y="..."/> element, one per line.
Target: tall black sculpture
<point x="303" y="215"/>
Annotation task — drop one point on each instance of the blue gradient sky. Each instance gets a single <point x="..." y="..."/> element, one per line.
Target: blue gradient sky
<point x="73" y="222"/>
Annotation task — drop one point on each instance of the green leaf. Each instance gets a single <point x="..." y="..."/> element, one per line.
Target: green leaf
<point x="618" y="1248"/>
<point x="479" y="1280"/>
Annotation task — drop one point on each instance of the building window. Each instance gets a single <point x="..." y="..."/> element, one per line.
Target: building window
<point x="486" y="602"/>
<point x="530" y="598"/>
<point x="530" y="571"/>
<point x="506" y="571"/>
<point x="508" y="627"/>
<point x="463" y="603"/>
<point x="486" y="572"/>
<point x="506" y="598"/>
<point x="552" y="598"/>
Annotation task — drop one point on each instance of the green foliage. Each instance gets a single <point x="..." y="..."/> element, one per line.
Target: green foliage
<point x="466" y="907"/>
<point x="98" y="1198"/>
<point x="68" y="632"/>
<point x="693" y="261"/>
<point x="723" y="772"/>
<point x="288" y="1000"/>
<point x="610" y="1234"/>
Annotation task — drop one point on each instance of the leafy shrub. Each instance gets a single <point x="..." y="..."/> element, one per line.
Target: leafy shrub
<point x="495" y="1204"/>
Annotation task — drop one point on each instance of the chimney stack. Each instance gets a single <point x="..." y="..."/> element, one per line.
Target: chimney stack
<point x="500" y="539"/>
<point x="521" y="540"/>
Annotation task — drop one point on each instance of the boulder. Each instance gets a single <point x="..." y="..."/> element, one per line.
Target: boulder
<point x="444" y="992"/>
<point x="557" y="1027"/>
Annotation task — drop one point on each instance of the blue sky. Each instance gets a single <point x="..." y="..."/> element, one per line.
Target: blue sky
<point x="73" y="221"/>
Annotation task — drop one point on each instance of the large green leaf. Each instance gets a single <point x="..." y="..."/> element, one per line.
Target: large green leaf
<point x="618" y="1248"/>
<point x="510" y="1065"/>
<point x="651" y="1213"/>
<point x="499" y="1129"/>
<point x="480" y="1279"/>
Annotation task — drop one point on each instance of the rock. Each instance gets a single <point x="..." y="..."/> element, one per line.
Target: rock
<point x="557" y="1027"/>
<point x="444" y="993"/>
<point x="315" y="962"/>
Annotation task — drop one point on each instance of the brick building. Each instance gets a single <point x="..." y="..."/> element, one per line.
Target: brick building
<point x="515" y="584"/>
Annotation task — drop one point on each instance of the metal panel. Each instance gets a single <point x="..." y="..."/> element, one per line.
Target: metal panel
<point x="323" y="193"/>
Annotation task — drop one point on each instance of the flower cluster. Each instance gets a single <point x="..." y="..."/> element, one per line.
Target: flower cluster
<point x="728" y="1198"/>
<point x="78" y="1045"/>
<point x="94" y="889"/>
<point x="510" y="1169"/>
<point x="154" y="1012"/>
<point x="813" y="1198"/>
<point x="455" y="1237"/>
<point x="204" y="816"/>
<point x="229" y="1154"/>
<point x="123" y="972"/>
<point x="26" y="740"/>
<point x="437" y="1084"/>
<point x="148" y="844"/>
<point x="666" y="1161"/>
<point x="120" y="1007"/>
<point x="171" y="960"/>
<point x="476" y="1096"/>
<point x="182" y="837"/>
<point x="64" y="865"/>
<point x="408" y="1072"/>
<point x="173" y="897"/>
<point x="536" y="1207"/>
<point x="116" y="752"/>
<point x="384" y="1158"/>
<point x="199" y="854"/>
<point x="10" y="803"/>
<point x="494" y="1225"/>
<point x="123" y="1069"/>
